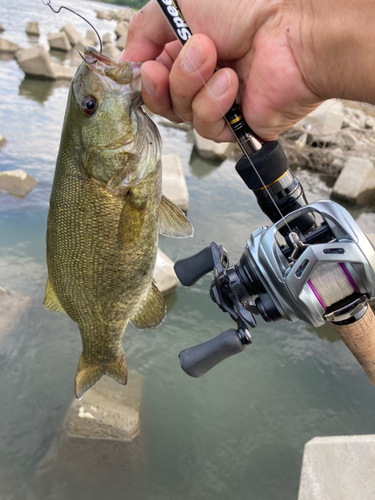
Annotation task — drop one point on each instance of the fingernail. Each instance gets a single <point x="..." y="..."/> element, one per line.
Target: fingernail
<point x="193" y="58"/>
<point x="220" y="84"/>
<point x="148" y="84"/>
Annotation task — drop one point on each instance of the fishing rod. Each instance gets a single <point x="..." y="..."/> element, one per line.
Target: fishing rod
<point x="313" y="263"/>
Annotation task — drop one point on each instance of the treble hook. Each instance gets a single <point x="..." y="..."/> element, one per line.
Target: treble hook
<point x="79" y="15"/>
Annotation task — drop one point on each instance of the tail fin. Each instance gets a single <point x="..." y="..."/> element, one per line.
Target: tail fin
<point x="88" y="374"/>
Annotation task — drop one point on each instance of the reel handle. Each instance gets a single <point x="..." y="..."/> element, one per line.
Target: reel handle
<point x="198" y="360"/>
<point x="359" y="338"/>
<point x="191" y="269"/>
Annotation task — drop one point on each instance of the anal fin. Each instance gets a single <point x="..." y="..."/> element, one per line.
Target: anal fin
<point x="89" y="373"/>
<point x="152" y="311"/>
<point x="172" y="220"/>
<point x="51" y="301"/>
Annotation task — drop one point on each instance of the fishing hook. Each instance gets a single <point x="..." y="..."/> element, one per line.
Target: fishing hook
<point x="79" y="15"/>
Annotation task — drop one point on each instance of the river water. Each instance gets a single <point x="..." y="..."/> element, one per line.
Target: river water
<point x="239" y="431"/>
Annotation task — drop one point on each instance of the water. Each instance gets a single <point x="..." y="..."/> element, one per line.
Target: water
<point x="239" y="431"/>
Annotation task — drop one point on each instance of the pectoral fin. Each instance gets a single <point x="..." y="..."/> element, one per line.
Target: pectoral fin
<point x="51" y="301"/>
<point x="152" y="310"/>
<point x="172" y="221"/>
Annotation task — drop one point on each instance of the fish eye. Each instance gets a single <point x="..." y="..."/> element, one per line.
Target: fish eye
<point x="89" y="105"/>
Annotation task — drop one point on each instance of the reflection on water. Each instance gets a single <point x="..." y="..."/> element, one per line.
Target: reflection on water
<point x="40" y="90"/>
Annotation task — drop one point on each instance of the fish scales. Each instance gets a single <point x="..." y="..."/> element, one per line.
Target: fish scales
<point x="106" y="208"/>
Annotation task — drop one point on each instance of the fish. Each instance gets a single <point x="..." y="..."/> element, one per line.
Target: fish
<point x="106" y="210"/>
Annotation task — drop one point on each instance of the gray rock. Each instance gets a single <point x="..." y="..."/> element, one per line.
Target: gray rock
<point x="32" y="28"/>
<point x="164" y="274"/>
<point x="174" y="183"/>
<point x="92" y="37"/>
<point x="71" y="33"/>
<point x="212" y="150"/>
<point x="111" y="50"/>
<point x="120" y="43"/>
<point x="16" y="182"/>
<point x="108" y="410"/>
<point x="356" y="182"/>
<point x="36" y="61"/>
<point x="12" y="306"/>
<point x="59" y="41"/>
<point x="107" y="38"/>
<point x="338" y="468"/>
<point x="325" y="121"/>
<point x="122" y="29"/>
<point x="8" y="47"/>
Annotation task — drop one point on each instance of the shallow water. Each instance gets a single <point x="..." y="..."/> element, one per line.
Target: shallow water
<point x="237" y="432"/>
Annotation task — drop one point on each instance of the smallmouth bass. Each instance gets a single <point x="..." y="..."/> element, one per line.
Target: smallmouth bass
<point x="106" y="210"/>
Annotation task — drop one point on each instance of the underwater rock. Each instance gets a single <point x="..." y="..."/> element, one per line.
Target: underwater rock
<point x="338" y="468"/>
<point x="164" y="275"/>
<point x="32" y="28"/>
<point x="36" y="61"/>
<point x="59" y="41"/>
<point x="108" y="410"/>
<point x="122" y="29"/>
<point x="12" y="306"/>
<point x="16" y="182"/>
<point x="8" y="47"/>
<point x="356" y="182"/>
<point x="111" y="50"/>
<point x="174" y="183"/>
<point x="212" y="150"/>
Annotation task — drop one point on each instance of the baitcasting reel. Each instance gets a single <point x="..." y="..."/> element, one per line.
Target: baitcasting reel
<point x="313" y="264"/>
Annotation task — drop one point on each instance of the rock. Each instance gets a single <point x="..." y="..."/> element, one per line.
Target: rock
<point x="80" y="46"/>
<point x="32" y="28"/>
<point x="59" y="41"/>
<point x="356" y="182"/>
<point x="370" y="122"/>
<point x="7" y="46"/>
<point x="2" y="141"/>
<point x="212" y="150"/>
<point x="36" y="61"/>
<point x="174" y="183"/>
<point x="71" y="33"/>
<point x="338" y="468"/>
<point x="111" y="50"/>
<point x="122" y="29"/>
<point x="16" y="182"/>
<point x="108" y="410"/>
<point x="91" y="36"/>
<point x="325" y="121"/>
<point x="164" y="274"/>
<point x="12" y="306"/>
<point x="1" y="28"/>
<point x="107" y="38"/>
<point x="120" y="43"/>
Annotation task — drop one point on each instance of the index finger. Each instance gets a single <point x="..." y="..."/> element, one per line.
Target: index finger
<point x="149" y="32"/>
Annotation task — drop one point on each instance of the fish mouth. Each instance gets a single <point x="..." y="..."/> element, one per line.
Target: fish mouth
<point x="105" y="64"/>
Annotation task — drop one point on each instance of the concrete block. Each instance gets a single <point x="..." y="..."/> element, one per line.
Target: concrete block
<point x="32" y="28"/>
<point x="174" y="183"/>
<point x="111" y="50"/>
<point x="36" y="61"/>
<point x="212" y="150"/>
<point x="356" y="182"/>
<point x="92" y="37"/>
<point x="326" y="120"/>
<point x="338" y="468"/>
<point x="1" y="28"/>
<point x="80" y="46"/>
<point x="120" y="43"/>
<point x="8" y="47"/>
<point x="122" y="29"/>
<point x="2" y="141"/>
<point x="164" y="274"/>
<point x="107" y="38"/>
<point x="16" y="182"/>
<point x="12" y="306"/>
<point x="59" y="41"/>
<point x="71" y="33"/>
<point x="108" y="410"/>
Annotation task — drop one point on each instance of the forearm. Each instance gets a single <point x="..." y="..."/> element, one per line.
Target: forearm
<point x="334" y="49"/>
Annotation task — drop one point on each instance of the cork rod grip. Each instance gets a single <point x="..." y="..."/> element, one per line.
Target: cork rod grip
<point x="359" y="338"/>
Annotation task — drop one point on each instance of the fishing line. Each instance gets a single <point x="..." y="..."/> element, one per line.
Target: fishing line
<point x="76" y="13"/>
<point x="182" y="31"/>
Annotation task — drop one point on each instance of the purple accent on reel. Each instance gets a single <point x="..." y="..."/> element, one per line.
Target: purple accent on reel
<point x="316" y="294"/>
<point x="349" y="276"/>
